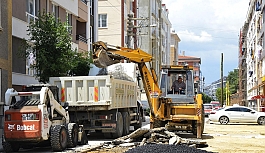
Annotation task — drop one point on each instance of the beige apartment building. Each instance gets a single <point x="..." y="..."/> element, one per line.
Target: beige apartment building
<point x="78" y="14"/>
<point x="112" y="21"/>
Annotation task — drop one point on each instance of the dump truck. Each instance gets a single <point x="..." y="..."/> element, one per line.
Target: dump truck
<point x="101" y="103"/>
<point x="178" y="112"/>
<point x="35" y="117"/>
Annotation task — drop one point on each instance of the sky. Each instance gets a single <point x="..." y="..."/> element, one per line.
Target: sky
<point x="208" y="28"/>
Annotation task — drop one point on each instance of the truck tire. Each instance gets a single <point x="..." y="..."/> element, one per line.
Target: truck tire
<point x="84" y="139"/>
<point x="10" y="147"/>
<point x="126" y="123"/>
<point x="58" y="137"/>
<point x="72" y="135"/>
<point x="119" y="126"/>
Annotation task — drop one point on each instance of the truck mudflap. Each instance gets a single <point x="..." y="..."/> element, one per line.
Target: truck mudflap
<point x="25" y="130"/>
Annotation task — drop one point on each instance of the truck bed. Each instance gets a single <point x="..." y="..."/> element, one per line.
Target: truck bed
<point x="96" y="92"/>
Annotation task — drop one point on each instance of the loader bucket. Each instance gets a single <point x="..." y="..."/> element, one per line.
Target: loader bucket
<point x="101" y="58"/>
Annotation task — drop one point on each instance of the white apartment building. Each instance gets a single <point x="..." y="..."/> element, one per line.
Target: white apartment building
<point x="253" y="53"/>
<point x="166" y="36"/>
<point x="174" y="48"/>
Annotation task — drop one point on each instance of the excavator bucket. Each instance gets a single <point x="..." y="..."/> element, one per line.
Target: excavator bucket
<point x="101" y="58"/>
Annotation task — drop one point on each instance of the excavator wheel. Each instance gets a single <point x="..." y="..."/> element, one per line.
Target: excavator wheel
<point x="72" y="135"/>
<point x="194" y="123"/>
<point x="10" y="147"/>
<point x="59" y="137"/>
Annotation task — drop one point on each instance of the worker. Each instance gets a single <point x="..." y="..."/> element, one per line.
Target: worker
<point x="178" y="86"/>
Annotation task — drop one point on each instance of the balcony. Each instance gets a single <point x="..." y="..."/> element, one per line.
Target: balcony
<point x="82" y="11"/>
<point x="82" y="43"/>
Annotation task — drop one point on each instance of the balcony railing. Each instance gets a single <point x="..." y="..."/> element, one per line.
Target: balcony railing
<point x="30" y="17"/>
<point x="84" y="1"/>
<point x="81" y="38"/>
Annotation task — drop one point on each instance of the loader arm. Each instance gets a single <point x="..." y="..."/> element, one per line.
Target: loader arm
<point x="104" y="56"/>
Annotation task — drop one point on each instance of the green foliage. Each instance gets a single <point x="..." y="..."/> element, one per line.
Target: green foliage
<point x="206" y="98"/>
<point x="218" y="94"/>
<point x="233" y="81"/>
<point x="81" y="65"/>
<point x="50" y="43"/>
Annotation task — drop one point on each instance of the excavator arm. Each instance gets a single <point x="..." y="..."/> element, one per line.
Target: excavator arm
<point x="105" y="55"/>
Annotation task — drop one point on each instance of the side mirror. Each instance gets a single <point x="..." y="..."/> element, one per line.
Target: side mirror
<point x="252" y="112"/>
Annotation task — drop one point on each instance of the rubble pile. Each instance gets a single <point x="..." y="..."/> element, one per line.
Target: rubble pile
<point x="145" y="139"/>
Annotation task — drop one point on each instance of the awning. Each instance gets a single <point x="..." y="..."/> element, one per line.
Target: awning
<point x="258" y="97"/>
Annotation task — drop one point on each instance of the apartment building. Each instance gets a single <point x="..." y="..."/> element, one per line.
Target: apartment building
<point x="211" y="89"/>
<point x="174" y="48"/>
<point x="150" y="40"/>
<point x="165" y="36"/>
<point x="254" y="42"/>
<point x="195" y="62"/>
<point x="5" y="54"/>
<point x="78" y="14"/>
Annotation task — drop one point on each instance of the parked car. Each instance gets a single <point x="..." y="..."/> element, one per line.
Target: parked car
<point x="207" y="109"/>
<point x="216" y="104"/>
<point x="240" y="114"/>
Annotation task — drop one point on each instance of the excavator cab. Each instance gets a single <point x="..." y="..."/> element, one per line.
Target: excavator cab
<point x="181" y="75"/>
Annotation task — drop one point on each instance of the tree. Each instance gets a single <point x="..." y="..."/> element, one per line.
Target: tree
<point x="233" y="81"/>
<point x="50" y="43"/>
<point x="218" y="94"/>
<point x="206" y="98"/>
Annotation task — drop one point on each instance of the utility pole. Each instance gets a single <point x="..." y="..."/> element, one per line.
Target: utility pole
<point x="129" y="30"/>
<point x="222" y="90"/>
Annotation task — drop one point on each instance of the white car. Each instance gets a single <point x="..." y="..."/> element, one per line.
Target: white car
<point x="240" y="114"/>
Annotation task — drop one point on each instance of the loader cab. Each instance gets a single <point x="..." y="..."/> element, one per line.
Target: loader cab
<point x="171" y="74"/>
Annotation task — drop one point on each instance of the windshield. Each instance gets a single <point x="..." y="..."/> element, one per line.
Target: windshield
<point x="25" y="99"/>
<point x="177" y="83"/>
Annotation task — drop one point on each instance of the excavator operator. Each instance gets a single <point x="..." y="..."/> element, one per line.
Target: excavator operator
<point x="178" y="86"/>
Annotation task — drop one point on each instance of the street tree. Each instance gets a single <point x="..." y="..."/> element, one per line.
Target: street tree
<point x="206" y="98"/>
<point x="233" y="81"/>
<point x="218" y="94"/>
<point x="50" y="44"/>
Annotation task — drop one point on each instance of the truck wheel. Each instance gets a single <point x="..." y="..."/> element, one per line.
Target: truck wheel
<point x="139" y="125"/>
<point x="10" y="147"/>
<point x="126" y="122"/>
<point x="119" y="126"/>
<point x="58" y="138"/>
<point x="72" y="135"/>
<point x="84" y="139"/>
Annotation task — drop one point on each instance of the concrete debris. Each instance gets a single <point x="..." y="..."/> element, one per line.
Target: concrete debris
<point x="142" y="137"/>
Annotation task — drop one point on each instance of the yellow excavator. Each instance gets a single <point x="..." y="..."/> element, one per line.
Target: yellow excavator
<point x="175" y="110"/>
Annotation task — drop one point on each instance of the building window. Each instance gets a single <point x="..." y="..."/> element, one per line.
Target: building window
<point x="32" y="10"/>
<point x="102" y="20"/>
<point x="55" y="11"/>
<point x="69" y="23"/>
